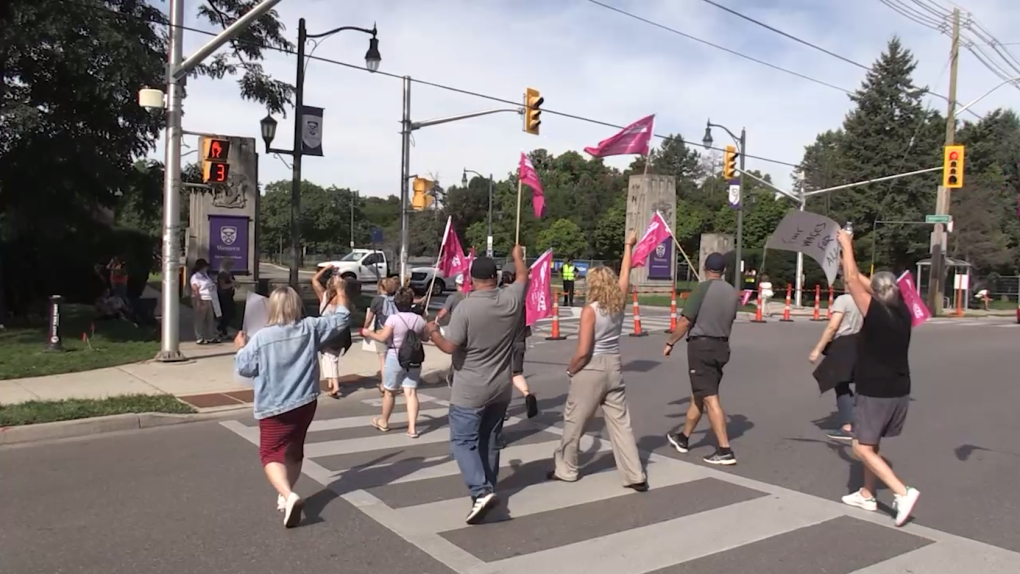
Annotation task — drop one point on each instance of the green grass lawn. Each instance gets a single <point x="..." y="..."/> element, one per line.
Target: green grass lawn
<point x="23" y="347"/>
<point x="37" y="412"/>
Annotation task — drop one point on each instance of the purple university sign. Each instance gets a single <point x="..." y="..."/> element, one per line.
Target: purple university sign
<point x="228" y="239"/>
<point x="660" y="261"/>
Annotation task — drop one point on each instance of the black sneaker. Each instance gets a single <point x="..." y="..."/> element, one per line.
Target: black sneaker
<point x="532" y="404"/>
<point x="480" y="506"/>
<point x="638" y="487"/>
<point x="720" y="458"/>
<point x="679" y="442"/>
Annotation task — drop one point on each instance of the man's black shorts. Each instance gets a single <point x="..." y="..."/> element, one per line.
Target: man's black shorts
<point x="517" y="358"/>
<point x="706" y="359"/>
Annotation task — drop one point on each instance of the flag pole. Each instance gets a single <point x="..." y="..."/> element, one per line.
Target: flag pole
<point x="435" y="270"/>
<point x="686" y="258"/>
<point x="517" y="238"/>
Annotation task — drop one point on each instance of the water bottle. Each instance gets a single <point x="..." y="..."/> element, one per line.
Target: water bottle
<point x="849" y="227"/>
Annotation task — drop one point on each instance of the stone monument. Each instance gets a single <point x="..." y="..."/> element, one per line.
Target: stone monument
<point x="714" y="243"/>
<point x="647" y="194"/>
<point x="222" y="217"/>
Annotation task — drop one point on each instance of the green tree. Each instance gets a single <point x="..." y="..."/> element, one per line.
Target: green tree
<point x="564" y="237"/>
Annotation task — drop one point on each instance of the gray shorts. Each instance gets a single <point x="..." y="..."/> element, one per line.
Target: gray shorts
<point x="876" y="418"/>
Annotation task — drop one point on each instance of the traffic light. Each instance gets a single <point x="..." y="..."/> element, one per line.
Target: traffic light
<point x="215" y="168"/>
<point x="952" y="167"/>
<point x="422" y="198"/>
<point x="532" y="110"/>
<point x="729" y="165"/>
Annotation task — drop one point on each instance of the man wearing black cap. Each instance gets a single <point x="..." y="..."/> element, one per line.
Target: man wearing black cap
<point x="706" y="321"/>
<point x="481" y="337"/>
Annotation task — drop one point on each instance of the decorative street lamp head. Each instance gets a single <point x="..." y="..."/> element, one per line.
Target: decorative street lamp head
<point x="464" y="179"/>
<point x="372" y="56"/>
<point x="268" y="126"/>
<point x="707" y="140"/>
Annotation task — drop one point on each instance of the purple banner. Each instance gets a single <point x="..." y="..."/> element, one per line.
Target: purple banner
<point x="660" y="261"/>
<point x="228" y="239"/>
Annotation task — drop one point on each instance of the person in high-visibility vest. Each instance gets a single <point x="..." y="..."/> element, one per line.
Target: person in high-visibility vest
<point x="568" y="271"/>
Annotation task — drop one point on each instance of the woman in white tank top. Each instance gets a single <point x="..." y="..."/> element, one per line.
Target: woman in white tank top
<point x="596" y="377"/>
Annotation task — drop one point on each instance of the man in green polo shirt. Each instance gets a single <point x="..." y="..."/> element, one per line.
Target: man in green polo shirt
<point x="707" y="321"/>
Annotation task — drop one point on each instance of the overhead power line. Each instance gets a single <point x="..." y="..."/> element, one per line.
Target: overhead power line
<point x="516" y="103"/>
<point x="718" y="47"/>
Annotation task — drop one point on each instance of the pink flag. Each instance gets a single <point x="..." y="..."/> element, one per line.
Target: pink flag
<point x="918" y="311"/>
<point x="656" y="233"/>
<point x="451" y="254"/>
<point x="467" y="271"/>
<point x="529" y="177"/>
<point x="746" y="297"/>
<point x="538" y="301"/>
<point x="633" y="139"/>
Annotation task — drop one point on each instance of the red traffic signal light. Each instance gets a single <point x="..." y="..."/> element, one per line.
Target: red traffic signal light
<point x="953" y="156"/>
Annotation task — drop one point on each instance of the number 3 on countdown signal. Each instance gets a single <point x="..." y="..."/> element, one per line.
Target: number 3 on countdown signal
<point x="215" y="172"/>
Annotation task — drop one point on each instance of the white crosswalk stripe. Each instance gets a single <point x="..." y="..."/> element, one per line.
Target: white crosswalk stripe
<point x="692" y="515"/>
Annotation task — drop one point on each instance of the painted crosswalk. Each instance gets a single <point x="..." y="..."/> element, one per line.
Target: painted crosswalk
<point x="694" y="519"/>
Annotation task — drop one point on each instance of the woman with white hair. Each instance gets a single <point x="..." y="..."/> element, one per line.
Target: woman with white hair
<point x="882" y="377"/>
<point x="282" y="359"/>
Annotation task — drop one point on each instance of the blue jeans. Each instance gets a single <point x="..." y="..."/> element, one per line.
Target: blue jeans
<point x="474" y="440"/>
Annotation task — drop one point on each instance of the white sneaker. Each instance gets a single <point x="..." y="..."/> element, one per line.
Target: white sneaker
<point x="281" y="503"/>
<point x="857" y="499"/>
<point x="480" y="506"/>
<point x="292" y="510"/>
<point x="904" y="505"/>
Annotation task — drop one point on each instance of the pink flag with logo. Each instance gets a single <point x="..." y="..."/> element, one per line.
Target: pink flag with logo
<point x="632" y="139"/>
<point x="538" y="301"/>
<point x="467" y="271"/>
<point x="529" y="177"/>
<point x="746" y="297"/>
<point x="451" y="254"/>
<point x="656" y="233"/>
<point x="918" y="311"/>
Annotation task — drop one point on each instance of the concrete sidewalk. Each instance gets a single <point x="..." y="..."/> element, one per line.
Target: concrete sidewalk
<point x="206" y="381"/>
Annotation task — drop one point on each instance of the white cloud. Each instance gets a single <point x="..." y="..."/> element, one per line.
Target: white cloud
<point x="587" y="61"/>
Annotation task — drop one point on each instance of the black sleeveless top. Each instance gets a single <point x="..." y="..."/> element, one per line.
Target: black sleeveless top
<point x="883" y="345"/>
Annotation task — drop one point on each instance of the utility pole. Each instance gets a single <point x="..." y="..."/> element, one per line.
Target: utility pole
<point x="942" y="199"/>
<point x="405" y="173"/>
<point x="738" y="273"/>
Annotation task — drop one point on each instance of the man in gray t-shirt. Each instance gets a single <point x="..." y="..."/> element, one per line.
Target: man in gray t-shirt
<point x="707" y="321"/>
<point x="480" y="337"/>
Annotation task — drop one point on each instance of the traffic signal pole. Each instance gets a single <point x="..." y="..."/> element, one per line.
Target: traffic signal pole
<point x="177" y="71"/>
<point x="407" y="128"/>
<point x="935" y="284"/>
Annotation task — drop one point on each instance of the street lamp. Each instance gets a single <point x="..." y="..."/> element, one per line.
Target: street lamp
<point x="741" y="145"/>
<point x="488" y="228"/>
<point x="268" y="129"/>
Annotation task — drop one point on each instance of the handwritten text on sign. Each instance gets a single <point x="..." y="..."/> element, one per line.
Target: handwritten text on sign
<point x="811" y="234"/>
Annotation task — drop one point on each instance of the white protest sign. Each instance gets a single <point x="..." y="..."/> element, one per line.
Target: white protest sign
<point x="256" y="314"/>
<point x="811" y="234"/>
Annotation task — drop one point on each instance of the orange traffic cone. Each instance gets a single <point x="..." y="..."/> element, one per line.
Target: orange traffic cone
<point x="637" y="318"/>
<point x="828" y="312"/>
<point x="672" y="312"/>
<point x="786" y="309"/>
<point x="555" y="335"/>
<point x="818" y="304"/>
<point x="758" y="308"/>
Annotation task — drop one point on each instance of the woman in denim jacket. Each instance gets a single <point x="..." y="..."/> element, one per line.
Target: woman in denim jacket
<point x="282" y="358"/>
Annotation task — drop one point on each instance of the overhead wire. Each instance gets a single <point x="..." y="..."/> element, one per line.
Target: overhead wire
<point x="452" y="89"/>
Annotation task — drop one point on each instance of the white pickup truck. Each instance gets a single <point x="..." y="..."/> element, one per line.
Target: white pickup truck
<point x="364" y="265"/>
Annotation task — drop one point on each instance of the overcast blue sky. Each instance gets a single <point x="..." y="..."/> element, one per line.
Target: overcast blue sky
<point x="588" y="61"/>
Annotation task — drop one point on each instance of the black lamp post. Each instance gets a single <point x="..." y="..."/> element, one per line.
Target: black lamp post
<point x="268" y="129"/>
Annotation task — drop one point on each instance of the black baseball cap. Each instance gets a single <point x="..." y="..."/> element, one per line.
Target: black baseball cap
<point x="483" y="268"/>
<point x="715" y="262"/>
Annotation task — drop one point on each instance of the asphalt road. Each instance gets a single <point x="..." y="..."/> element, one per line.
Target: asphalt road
<point x="192" y="498"/>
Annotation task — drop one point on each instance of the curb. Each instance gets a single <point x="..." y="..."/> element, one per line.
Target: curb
<point x="23" y="434"/>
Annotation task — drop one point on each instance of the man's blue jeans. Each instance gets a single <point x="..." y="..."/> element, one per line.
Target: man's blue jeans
<point x="474" y="440"/>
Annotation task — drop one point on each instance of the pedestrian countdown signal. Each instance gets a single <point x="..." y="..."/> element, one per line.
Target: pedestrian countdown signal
<point x="215" y="168"/>
<point x="952" y="167"/>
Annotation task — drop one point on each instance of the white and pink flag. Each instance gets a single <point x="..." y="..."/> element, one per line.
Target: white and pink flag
<point x="538" y="302"/>
<point x="918" y="310"/>
<point x="631" y="140"/>
<point x="656" y="233"/>
<point x="528" y="176"/>
<point x="467" y="271"/>
<point x="451" y="254"/>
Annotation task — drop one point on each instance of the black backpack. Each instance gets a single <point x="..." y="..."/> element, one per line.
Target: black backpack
<point x="411" y="353"/>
